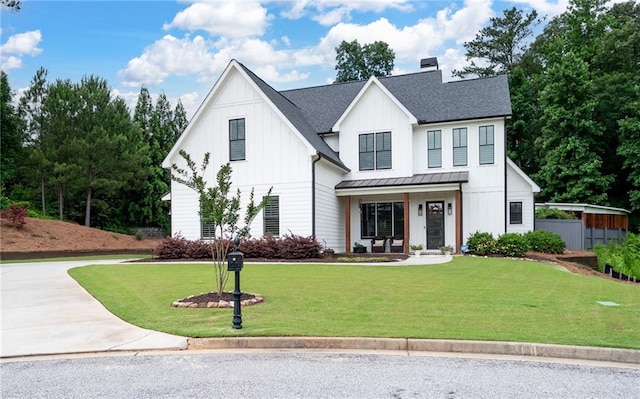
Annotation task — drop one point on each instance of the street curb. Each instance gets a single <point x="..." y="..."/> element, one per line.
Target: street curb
<point x="421" y="345"/>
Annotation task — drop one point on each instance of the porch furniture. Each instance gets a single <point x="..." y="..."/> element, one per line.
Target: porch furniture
<point x="397" y="244"/>
<point x="379" y="244"/>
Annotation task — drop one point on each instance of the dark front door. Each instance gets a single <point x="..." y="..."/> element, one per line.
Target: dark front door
<point x="435" y="225"/>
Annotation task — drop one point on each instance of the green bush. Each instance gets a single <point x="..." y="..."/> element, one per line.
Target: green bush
<point x="552" y="213"/>
<point x="623" y="258"/>
<point x="545" y="241"/>
<point x="482" y="244"/>
<point x="512" y="244"/>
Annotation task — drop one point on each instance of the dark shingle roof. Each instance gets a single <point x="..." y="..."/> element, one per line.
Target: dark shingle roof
<point x="297" y="118"/>
<point x="314" y="110"/>
<point x="422" y="93"/>
<point x="428" y="178"/>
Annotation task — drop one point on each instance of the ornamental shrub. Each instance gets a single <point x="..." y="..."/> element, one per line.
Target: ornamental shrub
<point x="172" y="248"/>
<point x="545" y="241"/>
<point x="299" y="247"/>
<point x="512" y="244"/>
<point x="16" y="214"/>
<point x="198" y="249"/>
<point x="482" y="244"/>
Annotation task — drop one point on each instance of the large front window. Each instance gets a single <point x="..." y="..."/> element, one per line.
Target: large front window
<point x="375" y="151"/>
<point x="382" y="219"/>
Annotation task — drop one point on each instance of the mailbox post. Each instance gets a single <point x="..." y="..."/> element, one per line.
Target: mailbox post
<point x="234" y="262"/>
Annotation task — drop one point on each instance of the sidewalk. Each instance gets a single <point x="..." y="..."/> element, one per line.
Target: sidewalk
<point x="45" y="311"/>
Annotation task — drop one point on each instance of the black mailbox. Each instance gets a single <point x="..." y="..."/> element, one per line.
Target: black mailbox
<point x="234" y="261"/>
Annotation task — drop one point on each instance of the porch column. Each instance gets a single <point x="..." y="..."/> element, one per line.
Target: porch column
<point x="405" y="242"/>
<point x="458" y="199"/>
<point x="347" y="223"/>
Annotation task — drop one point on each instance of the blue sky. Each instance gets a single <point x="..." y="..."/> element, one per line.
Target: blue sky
<point x="181" y="47"/>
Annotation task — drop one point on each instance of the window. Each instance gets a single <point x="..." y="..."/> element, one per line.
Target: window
<point x="486" y="145"/>
<point x="460" y="146"/>
<point x="515" y="212"/>
<point x="434" y="148"/>
<point x="207" y="231"/>
<point x="375" y="151"/>
<point x="272" y="216"/>
<point x="382" y="219"/>
<point x="236" y="140"/>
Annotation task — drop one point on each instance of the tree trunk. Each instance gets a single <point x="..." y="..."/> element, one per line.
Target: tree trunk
<point x="87" y="211"/>
<point x="60" y="203"/>
<point x="44" y="207"/>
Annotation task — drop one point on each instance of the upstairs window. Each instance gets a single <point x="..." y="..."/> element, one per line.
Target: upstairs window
<point x="236" y="140"/>
<point x="460" y="146"/>
<point x="486" y="145"/>
<point x="434" y="148"/>
<point x="272" y="216"/>
<point x="374" y="151"/>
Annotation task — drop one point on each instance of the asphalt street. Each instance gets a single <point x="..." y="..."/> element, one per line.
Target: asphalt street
<point x="310" y="375"/>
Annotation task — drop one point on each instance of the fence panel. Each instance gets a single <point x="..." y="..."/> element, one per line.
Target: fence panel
<point x="571" y="231"/>
<point x="594" y="236"/>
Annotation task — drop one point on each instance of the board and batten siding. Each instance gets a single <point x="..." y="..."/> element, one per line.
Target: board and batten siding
<point x="275" y="156"/>
<point x="376" y="112"/>
<point x="330" y="223"/>
<point x="518" y="190"/>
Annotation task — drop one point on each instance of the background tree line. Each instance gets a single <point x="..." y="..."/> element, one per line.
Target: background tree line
<point x="575" y="95"/>
<point x="575" y="92"/>
<point x="75" y="152"/>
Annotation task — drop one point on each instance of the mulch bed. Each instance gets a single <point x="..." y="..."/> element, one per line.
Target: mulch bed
<point x="213" y="300"/>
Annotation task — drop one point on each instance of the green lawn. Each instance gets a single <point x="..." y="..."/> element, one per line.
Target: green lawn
<point x="469" y="298"/>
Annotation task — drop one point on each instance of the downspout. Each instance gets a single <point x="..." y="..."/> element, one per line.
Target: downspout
<point x="313" y="195"/>
<point x="461" y="232"/>
<point x="506" y="204"/>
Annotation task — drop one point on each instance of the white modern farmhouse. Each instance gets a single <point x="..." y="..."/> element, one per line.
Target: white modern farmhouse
<point x="406" y="157"/>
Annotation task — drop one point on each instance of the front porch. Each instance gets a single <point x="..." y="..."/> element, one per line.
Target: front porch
<point x="387" y="218"/>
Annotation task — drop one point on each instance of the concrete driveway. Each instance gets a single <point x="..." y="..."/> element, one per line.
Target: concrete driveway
<point x="45" y="311"/>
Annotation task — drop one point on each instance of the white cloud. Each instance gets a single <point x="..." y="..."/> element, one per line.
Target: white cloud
<point x="271" y="74"/>
<point x="10" y="62"/>
<point x="23" y="43"/>
<point x="17" y="46"/>
<point x="228" y="19"/>
<point x="168" y="56"/>
<point x="330" y="12"/>
<point x="286" y="40"/>
<point x="428" y="37"/>
<point x="545" y="7"/>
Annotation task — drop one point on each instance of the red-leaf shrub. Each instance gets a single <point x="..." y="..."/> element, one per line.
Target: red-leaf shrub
<point x="16" y="214"/>
<point x="198" y="249"/>
<point x="172" y="248"/>
<point x="298" y="247"/>
<point x="264" y="247"/>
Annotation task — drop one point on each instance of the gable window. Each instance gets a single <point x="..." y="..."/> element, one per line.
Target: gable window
<point x="374" y="150"/>
<point x="382" y="219"/>
<point x="434" y="148"/>
<point x="486" y="144"/>
<point x="460" y="146"/>
<point x="515" y="212"/>
<point x="236" y="140"/>
<point x="272" y="216"/>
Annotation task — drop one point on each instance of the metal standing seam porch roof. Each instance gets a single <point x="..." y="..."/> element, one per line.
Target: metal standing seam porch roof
<point x="415" y="180"/>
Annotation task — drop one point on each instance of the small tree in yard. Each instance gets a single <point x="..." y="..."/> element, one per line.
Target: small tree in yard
<point x="219" y="209"/>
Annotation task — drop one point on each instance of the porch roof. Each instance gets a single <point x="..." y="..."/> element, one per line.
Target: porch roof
<point x="415" y="180"/>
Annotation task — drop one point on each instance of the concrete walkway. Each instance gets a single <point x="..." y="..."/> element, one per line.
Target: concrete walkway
<point x="45" y="311"/>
